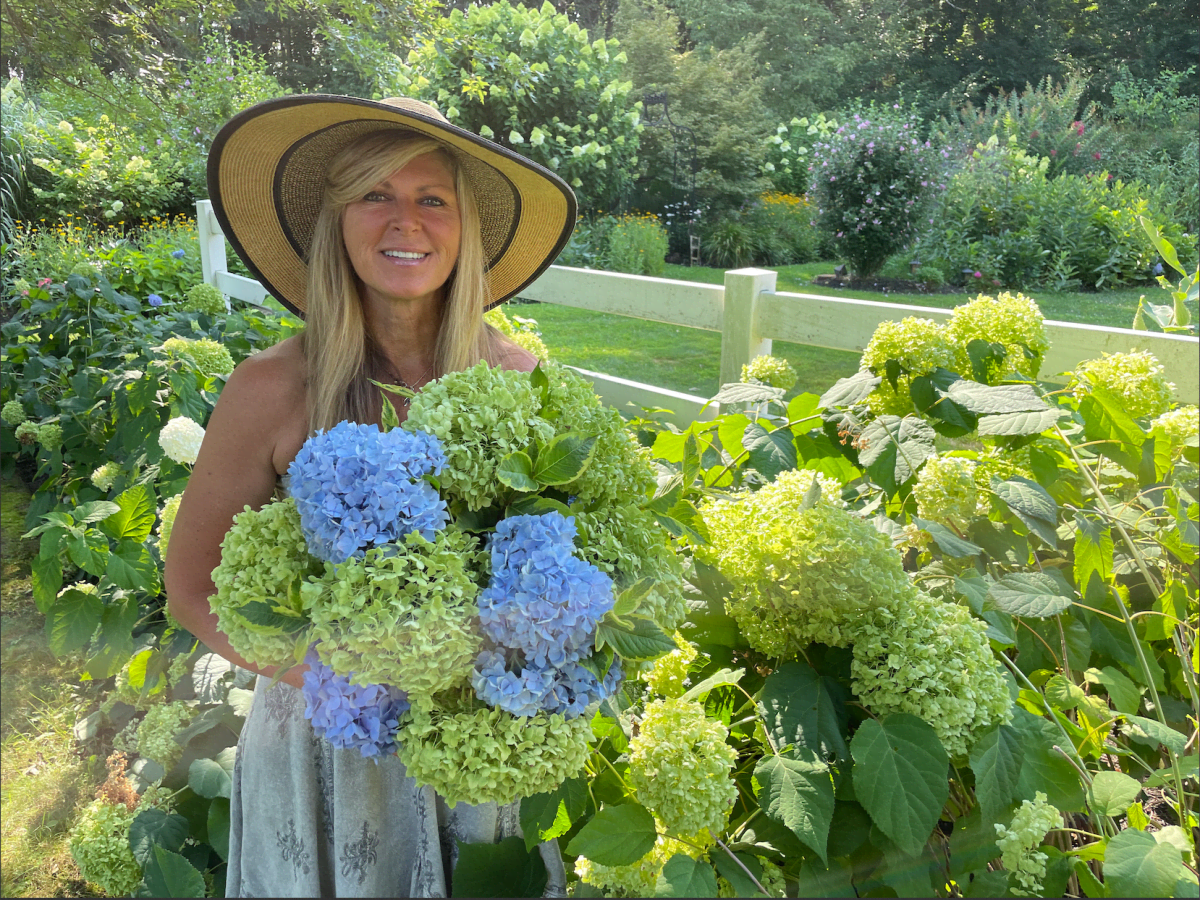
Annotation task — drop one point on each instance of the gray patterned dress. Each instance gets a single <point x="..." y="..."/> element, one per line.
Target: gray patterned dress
<point x="308" y="820"/>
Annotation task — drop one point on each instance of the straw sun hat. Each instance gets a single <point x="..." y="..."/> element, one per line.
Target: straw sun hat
<point x="266" y="174"/>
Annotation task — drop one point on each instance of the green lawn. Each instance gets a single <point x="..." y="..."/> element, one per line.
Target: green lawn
<point x="688" y="359"/>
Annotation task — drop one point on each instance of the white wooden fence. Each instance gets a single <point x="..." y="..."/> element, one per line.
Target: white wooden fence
<point x="749" y="313"/>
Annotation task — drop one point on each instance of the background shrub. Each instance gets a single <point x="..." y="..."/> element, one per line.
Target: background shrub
<point x="637" y="243"/>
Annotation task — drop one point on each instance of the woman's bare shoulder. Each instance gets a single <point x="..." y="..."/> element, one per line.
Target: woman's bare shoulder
<point x="510" y="356"/>
<point x="273" y="375"/>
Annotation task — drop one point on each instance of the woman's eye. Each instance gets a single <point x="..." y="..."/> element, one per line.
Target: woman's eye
<point x="434" y="201"/>
<point x="374" y="196"/>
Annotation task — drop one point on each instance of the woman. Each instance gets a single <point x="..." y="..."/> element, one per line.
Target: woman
<point x="391" y="231"/>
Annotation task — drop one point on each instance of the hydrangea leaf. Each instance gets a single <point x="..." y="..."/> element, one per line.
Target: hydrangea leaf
<point x="116" y="638"/>
<point x="169" y="874"/>
<point x="155" y="827"/>
<point x="996" y="760"/>
<point x="131" y="567"/>
<point x="265" y="615"/>
<point x="1105" y="421"/>
<point x="1062" y="693"/>
<point x="212" y="777"/>
<point x="740" y="392"/>
<point x="95" y="511"/>
<point x="504" y="869"/>
<point x="535" y="505"/>
<point x="516" y="471"/>
<point x="217" y="826"/>
<point x="948" y="542"/>
<point x="640" y="639"/>
<point x="1136" y="865"/>
<point x="771" y="452"/>
<point x="1030" y="502"/>
<point x="973" y="843"/>
<point x="47" y="577"/>
<point x="984" y="399"/>
<point x="1125" y="695"/>
<point x="1156" y="731"/>
<point x="834" y="880"/>
<point x="134" y="518"/>
<point x="1017" y="423"/>
<point x="1046" y="769"/>
<point x="616" y="835"/>
<point x="549" y="815"/>
<point x="563" y="459"/>
<point x="1035" y="594"/>
<point x="986" y="357"/>
<point x="805" y="709"/>
<point x="716" y="680"/>
<point x="683" y="876"/>
<point x="1112" y="793"/>
<point x="851" y="390"/>
<point x="799" y="794"/>
<point x="892" y="449"/>
<point x="71" y="621"/>
<point x="729" y="869"/>
<point x="1093" y="549"/>
<point x="900" y="770"/>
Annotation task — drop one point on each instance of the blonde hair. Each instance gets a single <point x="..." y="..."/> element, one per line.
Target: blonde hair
<point x="340" y="355"/>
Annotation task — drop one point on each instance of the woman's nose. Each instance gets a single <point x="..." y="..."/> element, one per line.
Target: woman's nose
<point x="405" y="215"/>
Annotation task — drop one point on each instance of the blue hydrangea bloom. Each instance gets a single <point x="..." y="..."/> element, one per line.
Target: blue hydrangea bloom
<point x="567" y="691"/>
<point x="356" y="486"/>
<point x="541" y="598"/>
<point x="154" y="300"/>
<point x="576" y="687"/>
<point x="349" y="716"/>
<point x="178" y="254"/>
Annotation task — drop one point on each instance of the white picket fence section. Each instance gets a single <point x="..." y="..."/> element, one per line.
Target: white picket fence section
<point x="749" y="314"/>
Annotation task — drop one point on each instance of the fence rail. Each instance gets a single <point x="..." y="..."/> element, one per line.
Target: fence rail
<point x="749" y="313"/>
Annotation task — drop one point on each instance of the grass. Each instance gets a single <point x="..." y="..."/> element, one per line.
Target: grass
<point x="688" y="359"/>
<point x="43" y="782"/>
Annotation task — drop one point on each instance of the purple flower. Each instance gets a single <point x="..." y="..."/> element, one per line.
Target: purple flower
<point x="158" y="143"/>
<point x="351" y="716"/>
<point x="978" y="274"/>
<point x="179" y="254"/>
<point x="229" y="78"/>
<point x="187" y="82"/>
<point x="154" y="300"/>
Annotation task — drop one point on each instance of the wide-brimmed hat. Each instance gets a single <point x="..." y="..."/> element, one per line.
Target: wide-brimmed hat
<point x="266" y="177"/>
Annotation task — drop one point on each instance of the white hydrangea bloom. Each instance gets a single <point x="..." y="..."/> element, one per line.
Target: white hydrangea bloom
<point x="181" y="438"/>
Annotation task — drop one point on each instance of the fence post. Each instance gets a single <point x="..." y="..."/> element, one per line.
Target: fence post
<point x="741" y="339"/>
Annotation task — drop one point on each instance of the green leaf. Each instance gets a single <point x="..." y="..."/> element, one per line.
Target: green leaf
<point x="800" y="407"/>
<point x="1016" y="424"/>
<point x="641" y="639"/>
<point x="95" y="511"/>
<point x="186" y="400"/>
<point x="1136" y="865"/>
<point x="984" y="399"/>
<point x="1062" y="693"/>
<point x="985" y="356"/>
<point x="142" y="394"/>
<point x="631" y="598"/>
<point x="728" y="869"/>
<point x="1113" y="792"/>
<point x="973" y="843"/>
<point x="948" y="542"/>
<point x="47" y="581"/>
<point x="1105" y="420"/>
<point x="1034" y="594"/>
<point x="894" y="448"/>
<point x="168" y="874"/>
<point x="550" y="815"/>
<point x="155" y="827"/>
<point x="218" y="826"/>
<point x="833" y="881"/>
<point x="616" y="836"/>
<point x="564" y="459"/>
<point x="503" y="869"/>
<point x="1032" y="505"/>
<point x="516" y="471"/>
<point x="1093" y="549"/>
<point x="212" y="777"/>
<point x="72" y="620"/>
<point x="1046" y="769"/>
<point x="540" y="383"/>
<point x="131" y="567"/>
<point x="134" y="518"/>
<point x="900" y="777"/>
<point x="771" y="452"/>
<point x="848" y="391"/>
<point x="801" y="708"/>
<point x="737" y="392"/>
<point x="264" y="615"/>
<point x="996" y="760"/>
<point x="683" y="876"/>
<point x="1124" y="694"/>
<point x="88" y="550"/>
<point x="798" y="793"/>
<point x="717" y="679"/>
<point x="1157" y="732"/>
<point x="533" y="505"/>
<point x="115" y="643"/>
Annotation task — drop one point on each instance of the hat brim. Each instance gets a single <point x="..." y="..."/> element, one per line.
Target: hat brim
<point x="266" y="178"/>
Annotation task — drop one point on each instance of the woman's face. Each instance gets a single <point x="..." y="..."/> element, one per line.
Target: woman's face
<point x="403" y="235"/>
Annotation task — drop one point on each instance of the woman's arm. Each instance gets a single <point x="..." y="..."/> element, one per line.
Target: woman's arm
<point x="257" y="419"/>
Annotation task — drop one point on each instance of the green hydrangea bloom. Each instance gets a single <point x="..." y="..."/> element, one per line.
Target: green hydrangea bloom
<point x="166" y="523"/>
<point x="1013" y="320"/>
<point x="522" y="332"/>
<point x="13" y="413"/>
<point x="100" y="846"/>
<point x="798" y="575"/>
<point x="156" y="734"/>
<point x="933" y="660"/>
<point x="627" y="543"/>
<point x="945" y="491"/>
<point x="1178" y="425"/>
<point x="481" y="415"/>
<point x="486" y="754"/>
<point x="999" y="464"/>
<point x="104" y="476"/>
<point x="669" y="676"/>
<point x="919" y="345"/>
<point x="1018" y="843"/>
<point x="205" y="298"/>
<point x="209" y="357"/>
<point x="639" y="879"/>
<point x="27" y="432"/>
<point x="620" y="468"/>
<point x="50" y="436"/>
<point x="679" y="765"/>
<point x="770" y="370"/>
<point x="263" y="559"/>
<point x="403" y="614"/>
<point x="1135" y="379"/>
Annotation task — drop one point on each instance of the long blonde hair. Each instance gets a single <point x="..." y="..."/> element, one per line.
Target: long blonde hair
<point x="340" y="355"/>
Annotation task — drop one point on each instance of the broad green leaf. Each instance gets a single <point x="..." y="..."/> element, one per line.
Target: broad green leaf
<point x="240" y="700"/>
<point x="1156" y="731"/>
<point x="155" y="827"/>
<point x="738" y="392"/>
<point x="730" y="429"/>
<point x="631" y="598"/>
<point x="47" y="580"/>
<point x="95" y="511"/>
<point x="1136" y="865"/>
<point x="217" y="826"/>
<point x="718" y="679"/>
<point x="1105" y="420"/>
<point x="564" y="458"/>
<point x="1016" y="424"/>
<point x="168" y="874"/>
<point x="1062" y="693"/>
<point x="642" y="639"/>
<point x="262" y="614"/>
<point x="973" y="843"/>
<point x="208" y="677"/>
<point x="771" y="452"/>
<point x="801" y="708"/>
<point x="131" y="567"/>
<point x="996" y="760"/>
<point x="728" y="868"/>
<point x="683" y="876"/>
<point x="798" y="793"/>
<point x="616" y="836"/>
<point x="534" y="505"/>
<point x="503" y="869"/>
<point x="900" y="777"/>
<point x="1035" y="594"/>
<point x="1032" y="505"/>
<point x="549" y="815"/>
<point x="803" y="411"/>
<point x="212" y="777"/>
<point x="72" y="620"/>
<point x="115" y="643"/>
<point x="984" y="399"/>
<point x="142" y="394"/>
<point x="1173" y="601"/>
<point x="1125" y="695"/>
<point x="832" y="881"/>
<point x="516" y="471"/>
<point x="893" y="449"/>
<point x="1093" y="549"/>
<point x="1112" y="792"/>
<point x="986" y="357"/>
<point x="1046" y="769"/>
<point x="88" y="550"/>
<point x="848" y="391"/>
<point x="134" y="519"/>
<point x="50" y="521"/>
<point x="948" y="542"/>
<point x="668" y="445"/>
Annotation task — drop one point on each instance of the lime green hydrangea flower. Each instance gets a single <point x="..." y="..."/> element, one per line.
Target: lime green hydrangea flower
<point x="522" y="332"/>
<point x="264" y="559"/>
<point x="208" y="356"/>
<point x="166" y="522"/>
<point x="13" y="413"/>
<point x="1018" y="843"/>
<point x="402" y="615"/>
<point x="50" y="436"/>
<point x="481" y="755"/>
<point x="933" y="660"/>
<point x="480" y="415"/>
<point x="679" y="765"/>
<point x="156" y="734"/>
<point x="205" y="298"/>
<point x="919" y="345"/>
<point x="1135" y="379"/>
<point x="669" y="676"/>
<point x="1178" y="425"/>
<point x="27" y="432"/>
<point x="104" y="476"/>
<point x="770" y="370"/>
<point x="798" y="575"/>
<point x="1013" y="320"/>
<point x="945" y="491"/>
<point x="640" y="879"/>
<point x="100" y="846"/>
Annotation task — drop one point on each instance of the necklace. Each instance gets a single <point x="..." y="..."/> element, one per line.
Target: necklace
<point x="396" y="379"/>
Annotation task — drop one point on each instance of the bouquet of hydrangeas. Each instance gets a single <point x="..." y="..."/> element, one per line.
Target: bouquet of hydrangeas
<point x="464" y="588"/>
